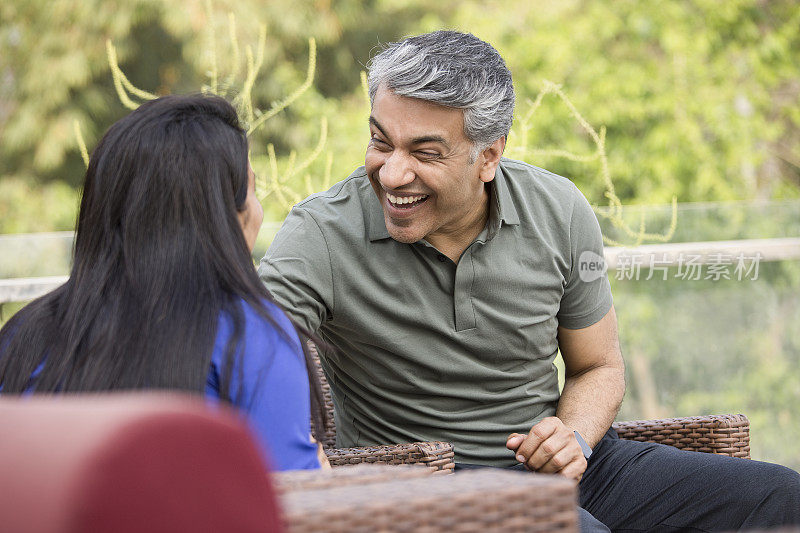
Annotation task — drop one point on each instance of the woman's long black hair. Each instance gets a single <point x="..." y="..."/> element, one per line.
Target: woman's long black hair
<point x="159" y="256"/>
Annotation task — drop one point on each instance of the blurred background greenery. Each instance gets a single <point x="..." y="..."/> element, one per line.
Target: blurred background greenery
<point x="700" y="100"/>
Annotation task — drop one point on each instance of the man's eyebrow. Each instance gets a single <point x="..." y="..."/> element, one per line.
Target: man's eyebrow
<point x="377" y="125"/>
<point x="430" y="139"/>
<point x="416" y="140"/>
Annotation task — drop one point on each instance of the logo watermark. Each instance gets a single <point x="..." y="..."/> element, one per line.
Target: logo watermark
<point x="591" y="266"/>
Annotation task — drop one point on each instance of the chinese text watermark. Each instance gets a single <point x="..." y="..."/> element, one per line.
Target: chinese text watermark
<point x="690" y="267"/>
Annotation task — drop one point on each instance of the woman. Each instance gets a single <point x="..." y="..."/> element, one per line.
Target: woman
<point x="162" y="292"/>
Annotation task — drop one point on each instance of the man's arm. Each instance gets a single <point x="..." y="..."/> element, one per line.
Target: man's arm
<point x="297" y="270"/>
<point x="595" y="377"/>
<point x="593" y="390"/>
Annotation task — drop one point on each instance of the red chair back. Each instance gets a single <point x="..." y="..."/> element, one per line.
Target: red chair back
<point x="130" y="462"/>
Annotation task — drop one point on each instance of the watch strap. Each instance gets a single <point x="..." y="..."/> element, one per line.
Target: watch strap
<point x="587" y="450"/>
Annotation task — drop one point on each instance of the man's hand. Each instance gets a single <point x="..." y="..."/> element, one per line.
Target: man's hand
<point x="550" y="447"/>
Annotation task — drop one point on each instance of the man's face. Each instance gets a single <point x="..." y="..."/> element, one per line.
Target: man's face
<point x="418" y="161"/>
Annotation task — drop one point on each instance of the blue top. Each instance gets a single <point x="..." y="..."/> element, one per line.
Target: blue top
<point x="273" y="390"/>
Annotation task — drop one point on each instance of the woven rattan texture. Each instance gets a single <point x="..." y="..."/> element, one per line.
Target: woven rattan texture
<point x="474" y="501"/>
<point x="349" y="475"/>
<point x="328" y="439"/>
<point x="719" y="434"/>
<point x="437" y="456"/>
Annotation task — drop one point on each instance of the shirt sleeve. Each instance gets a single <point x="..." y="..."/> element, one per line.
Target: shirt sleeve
<point x="587" y="292"/>
<point x="297" y="270"/>
<point x="271" y="388"/>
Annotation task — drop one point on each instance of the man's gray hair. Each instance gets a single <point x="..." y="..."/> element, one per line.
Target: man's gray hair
<point x="452" y="69"/>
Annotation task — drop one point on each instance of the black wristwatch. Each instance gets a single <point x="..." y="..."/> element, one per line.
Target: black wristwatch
<point x="587" y="450"/>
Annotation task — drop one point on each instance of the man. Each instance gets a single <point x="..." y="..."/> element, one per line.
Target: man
<point x="448" y="278"/>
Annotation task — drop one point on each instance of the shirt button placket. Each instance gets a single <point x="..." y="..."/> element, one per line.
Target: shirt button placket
<point x="462" y="297"/>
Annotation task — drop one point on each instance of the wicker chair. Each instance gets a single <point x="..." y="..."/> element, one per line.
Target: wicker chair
<point x="438" y="456"/>
<point x="719" y="434"/>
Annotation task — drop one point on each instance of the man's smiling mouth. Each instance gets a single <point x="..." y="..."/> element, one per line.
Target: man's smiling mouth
<point x="405" y="202"/>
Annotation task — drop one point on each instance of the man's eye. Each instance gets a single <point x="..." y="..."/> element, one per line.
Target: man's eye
<point x="379" y="143"/>
<point x="428" y="155"/>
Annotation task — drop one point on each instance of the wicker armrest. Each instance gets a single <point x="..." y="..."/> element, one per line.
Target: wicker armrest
<point x="474" y="501"/>
<point x="719" y="434"/>
<point x="437" y="456"/>
<point x="359" y="474"/>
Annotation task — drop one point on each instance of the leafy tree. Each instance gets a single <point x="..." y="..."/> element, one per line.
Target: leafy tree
<point x="700" y="99"/>
<point x="54" y="71"/>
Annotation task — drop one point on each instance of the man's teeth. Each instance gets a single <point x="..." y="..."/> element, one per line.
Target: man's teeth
<point x="400" y="200"/>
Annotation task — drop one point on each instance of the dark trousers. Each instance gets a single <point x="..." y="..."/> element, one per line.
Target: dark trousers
<point x="637" y="486"/>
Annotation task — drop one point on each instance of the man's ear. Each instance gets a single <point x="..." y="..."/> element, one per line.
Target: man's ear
<point x="489" y="159"/>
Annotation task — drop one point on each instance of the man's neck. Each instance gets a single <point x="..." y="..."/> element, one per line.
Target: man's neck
<point x="453" y="243"/>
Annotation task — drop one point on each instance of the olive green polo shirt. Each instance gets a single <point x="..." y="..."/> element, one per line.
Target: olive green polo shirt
<point x="433" y="350"/>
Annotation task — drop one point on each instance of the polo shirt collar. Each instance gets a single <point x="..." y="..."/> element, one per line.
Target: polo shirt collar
<point x="501" y="210"/>
<point x="376" y="224"/>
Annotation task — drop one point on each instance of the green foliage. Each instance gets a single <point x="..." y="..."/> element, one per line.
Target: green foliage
<point x="54" y="72"/>
<point x="8" y="310"/>
<point x="53" y="64"/>
<point x="614" y="212"/>
<point x="717" y="347"/>
<point x="695" y="104"/>
<point x="25" y="207"/>
<point x="699" y="101"/>
<point x="252" y="117"/>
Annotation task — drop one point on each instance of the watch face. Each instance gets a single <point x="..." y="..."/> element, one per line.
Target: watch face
<point x="587" y="451"/>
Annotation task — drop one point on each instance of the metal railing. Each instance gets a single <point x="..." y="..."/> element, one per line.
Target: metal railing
<point x="671" y="254"/>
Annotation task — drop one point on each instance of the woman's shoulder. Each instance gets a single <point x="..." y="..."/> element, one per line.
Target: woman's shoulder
<point x="279" y="329"/>
<point x="268" y="381"/>
<point x="254" y="316"/>
<point x="261" y="329"/>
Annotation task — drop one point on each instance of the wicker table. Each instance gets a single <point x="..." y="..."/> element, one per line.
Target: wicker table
<point x="394" y="499"/>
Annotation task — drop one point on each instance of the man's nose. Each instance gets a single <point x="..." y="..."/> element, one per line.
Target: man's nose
<point x="396" y="172"/>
